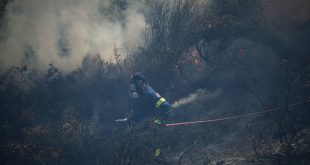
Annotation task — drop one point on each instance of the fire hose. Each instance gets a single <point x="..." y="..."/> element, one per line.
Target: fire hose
<point x="231" y="117"/>
<point x="224" y="118"/>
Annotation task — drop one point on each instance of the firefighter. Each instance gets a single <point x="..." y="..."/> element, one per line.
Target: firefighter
<point x="146" y="101"/>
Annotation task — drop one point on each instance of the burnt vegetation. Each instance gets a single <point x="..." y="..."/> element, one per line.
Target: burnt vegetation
<point x="246" y="59"/>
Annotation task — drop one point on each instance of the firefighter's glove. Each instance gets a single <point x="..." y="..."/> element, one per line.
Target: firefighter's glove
<point x="157" y="152"/>
<point x="158" y="122"/>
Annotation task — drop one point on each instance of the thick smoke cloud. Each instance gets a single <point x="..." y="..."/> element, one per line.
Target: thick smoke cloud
<point x="64" y="32"/>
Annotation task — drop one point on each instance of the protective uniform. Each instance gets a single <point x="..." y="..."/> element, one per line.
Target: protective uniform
<point x="147" y="102"/>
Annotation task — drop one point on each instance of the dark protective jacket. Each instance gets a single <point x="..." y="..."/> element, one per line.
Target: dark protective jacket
<point x="149" y="103"/>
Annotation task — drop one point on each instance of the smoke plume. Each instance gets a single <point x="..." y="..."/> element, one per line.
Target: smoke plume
<point x="64" y="32"/>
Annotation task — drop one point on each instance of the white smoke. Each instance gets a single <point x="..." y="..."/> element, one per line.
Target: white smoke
<point x="64" y="32"/>
<point x="198" y="95"/>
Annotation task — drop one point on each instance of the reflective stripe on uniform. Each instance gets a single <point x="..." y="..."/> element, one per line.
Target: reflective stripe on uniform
<point x="160" y="101"/>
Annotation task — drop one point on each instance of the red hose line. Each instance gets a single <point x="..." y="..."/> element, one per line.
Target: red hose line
<point x="231" y="117"/>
